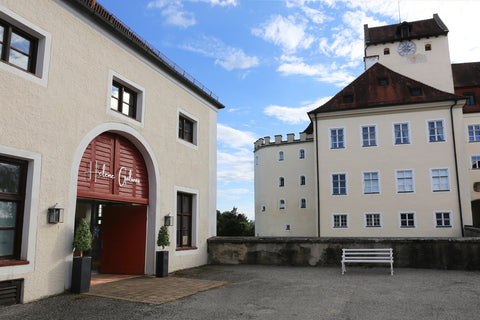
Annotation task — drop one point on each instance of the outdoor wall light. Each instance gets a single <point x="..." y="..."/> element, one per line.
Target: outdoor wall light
<point x="55" y="214"/>
<point x="168" y="220"/>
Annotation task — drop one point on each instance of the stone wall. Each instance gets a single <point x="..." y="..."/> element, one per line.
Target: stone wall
<point x="436" y="253"/>
<point x="471" y="231"/>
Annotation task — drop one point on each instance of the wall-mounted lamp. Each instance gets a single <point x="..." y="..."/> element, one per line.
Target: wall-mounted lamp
<point x="168" y="220"/>
<point x="55" y="214"/>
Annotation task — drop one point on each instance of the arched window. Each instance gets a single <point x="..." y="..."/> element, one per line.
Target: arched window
<point x="302" y="180"/>
<point x="301" y="154"/>
<point x="281" y="156"/>
<point x="281" y="182"/>
<point x="303" y="203"/>
<point x="281" y="204"/>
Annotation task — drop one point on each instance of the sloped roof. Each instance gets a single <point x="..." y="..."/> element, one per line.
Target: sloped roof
<point x="466" y="74"/>
<point x="367" y="92"/>
<point x="417" y="29"/>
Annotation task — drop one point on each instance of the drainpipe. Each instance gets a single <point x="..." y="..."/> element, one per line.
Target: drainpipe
<point x="456" y="167"/>
<point x="318" y="175"/>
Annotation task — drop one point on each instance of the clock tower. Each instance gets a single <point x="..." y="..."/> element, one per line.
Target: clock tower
<point x="417" y="49"/>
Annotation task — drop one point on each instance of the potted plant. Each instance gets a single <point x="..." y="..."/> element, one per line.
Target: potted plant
<point x="162" y="256"/>
<point x="81" y="264"/>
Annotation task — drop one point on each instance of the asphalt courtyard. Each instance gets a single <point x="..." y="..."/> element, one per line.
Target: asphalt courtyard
<point x="272" y="292"/>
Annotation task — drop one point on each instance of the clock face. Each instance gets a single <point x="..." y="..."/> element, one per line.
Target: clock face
<point x="406" y="48"/>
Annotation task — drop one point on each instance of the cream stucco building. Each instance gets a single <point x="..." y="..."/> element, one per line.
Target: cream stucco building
<point x="395" y="153"/>
<point x="99" y="122"/>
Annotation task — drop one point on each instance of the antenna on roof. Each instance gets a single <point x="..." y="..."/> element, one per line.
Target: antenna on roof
<point x="399" y="18"/>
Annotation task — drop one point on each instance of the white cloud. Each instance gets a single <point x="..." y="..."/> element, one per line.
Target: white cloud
<point x="235" y="166"/>
<point x="228" y="57"/>
<point x="323" y="73"/>
<point x="285" y="32"/>
<point x="234" y="138"/>
<point x="232" y="194"/>
<point x="294" y="115"/>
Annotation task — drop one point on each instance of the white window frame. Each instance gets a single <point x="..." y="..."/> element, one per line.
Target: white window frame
<point x="346" y="184"/>
<point x="374" y="126"/>
<point x="281" y="155"/>
<point x="414" y="220"/>
<point x="340" y="215"/>
<point x="442" y="226"/>
<point x="473" y="162"/>
<point x="280" y="204"/>
<point x="300" y="203"/>
<point x="364" y="185"/>
<point x="300" y="180"/>
<point x="42" y="65"/>
<point x="279" y="182"/>
<point x="443" y="127"/>
<point x="448" y="177"/>
<point x="409" y="137"/>
<point x="195" y="220"/>
<point x="330" y="138"/>
<point x="196" y="127"/>
<point x="300" y="154"/>
<point x="396" y="181"/>
<point x="30" y="211"/>
<point x="474" y="130"/>
<point x="366" y="214"/>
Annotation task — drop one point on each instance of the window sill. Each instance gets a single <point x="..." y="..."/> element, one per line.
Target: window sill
<point x="7" y="263"/>
<point x="186" y="248"/>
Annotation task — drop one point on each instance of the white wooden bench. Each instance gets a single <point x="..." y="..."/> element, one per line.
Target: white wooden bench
<point x="367" y="256"/>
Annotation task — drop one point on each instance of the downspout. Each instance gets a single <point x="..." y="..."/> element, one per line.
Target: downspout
<point x="456" y="168"/>
<point x="318" y="175"/>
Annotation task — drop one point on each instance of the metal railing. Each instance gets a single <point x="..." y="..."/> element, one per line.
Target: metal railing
<point x="118" y="24"/>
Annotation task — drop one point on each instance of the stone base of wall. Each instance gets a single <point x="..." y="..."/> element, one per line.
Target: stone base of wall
<point x="471" y="231"/>
<point x="436" y="253"/>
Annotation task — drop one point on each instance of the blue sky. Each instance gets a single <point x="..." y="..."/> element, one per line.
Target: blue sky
<point x="271" y="61"/>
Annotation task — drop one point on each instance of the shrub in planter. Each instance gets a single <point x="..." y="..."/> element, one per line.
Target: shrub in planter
<point x="82" y="265"/>
<point x="163" y="240"/>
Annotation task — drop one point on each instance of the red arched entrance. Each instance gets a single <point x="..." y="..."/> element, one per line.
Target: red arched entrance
<point x="112" y="194"/>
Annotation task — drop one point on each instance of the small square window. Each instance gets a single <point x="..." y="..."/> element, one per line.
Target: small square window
<point x="371" y="183"/>
<point x="470" y="96"/>
<point x="383" y="82"/>
<point x="476" y="162"/>
<point x="369" y="136"/>
<point x="18" y="48"/>
<point x="443" y="220"/>
<point x="415" y="91"/>
<point x="440" y="180"/>
<point x="337" y="139"/>
<point x="407" y="220"/>
<point x="348" y="98"/>
<point x="474" y="133"/>
<point x="404" y="181"/>
<point x="401" y="133"/>
<point x="288" y="227"/>
<point x="428" y="47"/>
<point x="373" y="220"/>
<point x="386" y="51"/>
<point x="124" y="100"/>
<point x="436" y="131"/>
<point x="340" y="221"/>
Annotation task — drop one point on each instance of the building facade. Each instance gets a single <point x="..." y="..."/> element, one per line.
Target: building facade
<point x="99" y="122"/>
<point x="395" y="149"/>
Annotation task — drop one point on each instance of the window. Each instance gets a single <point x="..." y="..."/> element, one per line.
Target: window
<point x="383" y="82"/>
<point x="476" y="162"/>
<point x="12" y="199"/>
<point x="337" y="138"/>
<point x="281" y="182"/>
<point x="368" y="136"/>
<point x="373" y="220"/>
<point x="339" y="184"/>
<point x="123" y="100"/>
<point x="17" y="47"/>
<point x="470" y="96"/>
<point x="263" y="208"/>
<point x="401" y="133"/>
<point x="443" y="220"/>
<point x="386" y="51"/>
<point x="301" y="154"/>
<point x="281" y="204"/>
<point x="340" y="220"/>
<point x="435" y="131"/>
<point x="348" y="98"/>
<point x="256" y="160"/>
<point x="407" y="220"/>
<point x="288" y="227"/>
<point x="415" y="91"/>
<point x="302" y="180"/>
<point x="474" y="132"/>
<point x="428" y="47"/>
<point x="440" y="180"/>
<point x="371" y="183"/>
<point x="303" y="203"/>
<point x="281" y="156"/>
<point x="404" y="181"/>
<point x="184" y="220"/>
<point x="185" y="129"/>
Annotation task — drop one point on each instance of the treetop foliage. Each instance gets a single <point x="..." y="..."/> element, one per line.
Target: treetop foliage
<point x="231" y="223"/>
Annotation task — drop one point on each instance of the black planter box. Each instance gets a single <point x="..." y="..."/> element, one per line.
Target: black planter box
<point x="81" y="273"/>
<point x="161" y="269"/>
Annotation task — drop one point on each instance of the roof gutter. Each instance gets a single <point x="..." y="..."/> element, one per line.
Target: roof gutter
<point x="456" y="168"/>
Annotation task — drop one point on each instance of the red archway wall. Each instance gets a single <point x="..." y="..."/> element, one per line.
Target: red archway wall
<point x="112" y="168"/>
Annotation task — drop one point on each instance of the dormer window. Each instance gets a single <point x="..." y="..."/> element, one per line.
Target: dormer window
<point x="428" y="47"/>
<point x="383" y="82"/>
<point x="404" y="31"/>
<point x="348" y="98"/>
<point x="415" y="91"/>
<point x="386" y="51"/>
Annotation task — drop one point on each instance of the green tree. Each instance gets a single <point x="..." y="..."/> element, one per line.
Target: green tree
<point x="232" y="223"/>
<point x="163" y="239"/>
<point x="83" y="237"/>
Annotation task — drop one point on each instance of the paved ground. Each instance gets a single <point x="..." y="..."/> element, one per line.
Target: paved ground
<point x="267" y="292"/>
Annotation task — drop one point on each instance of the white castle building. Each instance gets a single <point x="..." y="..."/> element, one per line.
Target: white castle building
<point x="395" y="153"/>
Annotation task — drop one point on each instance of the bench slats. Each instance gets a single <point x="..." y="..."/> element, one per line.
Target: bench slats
<point x="367" y="256"/>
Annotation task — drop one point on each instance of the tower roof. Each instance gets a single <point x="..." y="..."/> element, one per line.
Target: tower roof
<point x="379" y="87"/>
<point x="466" y="74"/>
<point x="416" y="29"/>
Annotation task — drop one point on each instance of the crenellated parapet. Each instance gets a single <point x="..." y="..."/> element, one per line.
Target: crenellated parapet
<point x="278" y="140"/>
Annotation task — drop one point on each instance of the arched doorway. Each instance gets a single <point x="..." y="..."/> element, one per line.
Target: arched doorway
<point x="113" y="195"/>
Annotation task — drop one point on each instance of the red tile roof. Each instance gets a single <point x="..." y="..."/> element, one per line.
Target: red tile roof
<point x="417" y="29"/>
<point x="367" y="92"/>
<point x="466" y="74"/>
